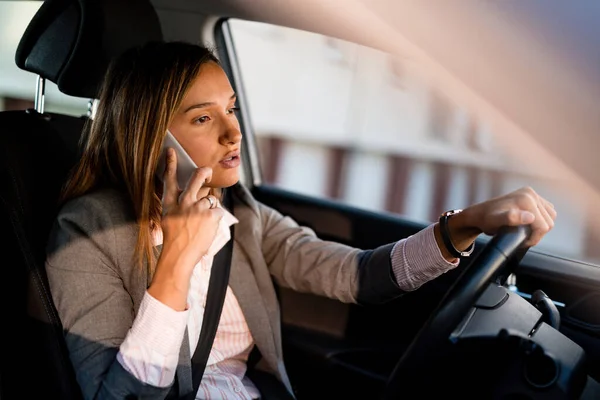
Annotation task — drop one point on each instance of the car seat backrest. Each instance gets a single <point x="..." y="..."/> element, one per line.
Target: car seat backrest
<point x="70" y="43"/>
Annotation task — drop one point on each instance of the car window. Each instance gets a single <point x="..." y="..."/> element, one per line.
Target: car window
<point x="18" y="87"/>
<point x="337" y="120"/>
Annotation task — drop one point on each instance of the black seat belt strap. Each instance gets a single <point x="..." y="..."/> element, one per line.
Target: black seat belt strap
<point x="215" y="297"/>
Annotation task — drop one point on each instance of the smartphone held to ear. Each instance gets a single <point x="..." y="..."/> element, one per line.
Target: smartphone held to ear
<point x="185" y="164"/>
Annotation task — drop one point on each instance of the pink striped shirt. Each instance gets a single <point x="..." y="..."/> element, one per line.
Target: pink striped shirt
<point x="150" y="350"/>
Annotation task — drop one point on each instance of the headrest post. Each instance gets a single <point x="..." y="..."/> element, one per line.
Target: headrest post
<point x="40" y="89"/>
<point x="92" y="108"/>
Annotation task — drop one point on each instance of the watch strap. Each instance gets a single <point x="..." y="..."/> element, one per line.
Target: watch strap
<point x="445" y="233"/>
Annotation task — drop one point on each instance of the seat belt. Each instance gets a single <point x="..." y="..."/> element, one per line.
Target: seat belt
<point x="215" y="297"/>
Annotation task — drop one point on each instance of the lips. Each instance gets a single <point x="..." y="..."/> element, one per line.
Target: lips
<point x="231" y="159"/>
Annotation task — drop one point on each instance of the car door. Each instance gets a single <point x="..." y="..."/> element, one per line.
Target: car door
<point x="359" y="152"/>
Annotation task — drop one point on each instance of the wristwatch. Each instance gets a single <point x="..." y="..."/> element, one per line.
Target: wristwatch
<point x="445" y="232"/>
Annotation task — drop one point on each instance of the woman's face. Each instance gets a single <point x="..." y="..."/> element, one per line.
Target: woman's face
<point x="207" y="127"/>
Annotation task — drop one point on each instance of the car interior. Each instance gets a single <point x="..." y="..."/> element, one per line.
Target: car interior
<point x="470" y="333"/>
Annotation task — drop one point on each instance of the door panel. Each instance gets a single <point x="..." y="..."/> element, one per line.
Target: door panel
<point x="356" y="347"/>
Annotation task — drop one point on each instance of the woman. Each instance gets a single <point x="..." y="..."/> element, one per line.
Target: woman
<point x="129" y="256"/>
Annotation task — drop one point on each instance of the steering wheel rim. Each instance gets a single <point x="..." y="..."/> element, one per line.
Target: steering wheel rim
<point x="458" y="300"/>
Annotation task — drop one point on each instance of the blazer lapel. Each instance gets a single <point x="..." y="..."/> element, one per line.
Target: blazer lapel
<point x="252" y="284"/>
<point x="244" y="286"/>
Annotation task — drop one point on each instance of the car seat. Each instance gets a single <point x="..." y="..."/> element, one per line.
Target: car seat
<point x="70" y="43"/>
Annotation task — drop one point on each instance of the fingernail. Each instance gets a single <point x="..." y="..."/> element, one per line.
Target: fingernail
<point x="171" y="152"/>
<point x="527" y="217"/>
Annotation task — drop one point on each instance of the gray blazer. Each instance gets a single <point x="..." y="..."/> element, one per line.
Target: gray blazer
<point x="97" y="288"/>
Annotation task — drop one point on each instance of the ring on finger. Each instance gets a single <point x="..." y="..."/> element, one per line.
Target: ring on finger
<point x="212" y="201"/>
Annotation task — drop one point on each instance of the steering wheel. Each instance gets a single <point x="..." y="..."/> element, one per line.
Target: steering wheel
<point x="493" y="259"/>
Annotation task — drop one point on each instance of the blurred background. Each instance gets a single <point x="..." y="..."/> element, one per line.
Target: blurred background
<point x="345" y="122"/>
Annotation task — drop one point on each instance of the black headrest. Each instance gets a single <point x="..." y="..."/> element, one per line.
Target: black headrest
<point x="71" y="42"/>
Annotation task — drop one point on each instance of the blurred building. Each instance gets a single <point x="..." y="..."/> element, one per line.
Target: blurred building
<point x="349" y="123"/>
<point x="346" y="122"/>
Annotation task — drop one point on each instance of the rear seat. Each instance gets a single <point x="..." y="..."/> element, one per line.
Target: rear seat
<point x="70" y="43"/>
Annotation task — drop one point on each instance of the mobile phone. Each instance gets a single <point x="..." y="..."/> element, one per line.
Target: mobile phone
<point x="185" y="165"/>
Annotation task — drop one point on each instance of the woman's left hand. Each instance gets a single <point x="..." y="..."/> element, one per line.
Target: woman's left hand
<point x="521" y="207"/>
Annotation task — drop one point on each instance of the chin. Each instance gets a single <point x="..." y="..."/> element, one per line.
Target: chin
<point x="224" y="181"/>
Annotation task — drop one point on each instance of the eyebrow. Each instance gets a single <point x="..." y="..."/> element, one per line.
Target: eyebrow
<point x="207" y="104"/>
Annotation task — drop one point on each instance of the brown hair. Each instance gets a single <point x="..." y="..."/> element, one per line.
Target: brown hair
<point x="140" y="94"/>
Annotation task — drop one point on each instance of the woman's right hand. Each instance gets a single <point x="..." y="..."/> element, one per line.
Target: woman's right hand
<point x="189" y="225"/>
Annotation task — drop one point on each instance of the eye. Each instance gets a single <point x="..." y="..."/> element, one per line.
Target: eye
<point x="232" y="110"/>
<point x="201" y="120"/>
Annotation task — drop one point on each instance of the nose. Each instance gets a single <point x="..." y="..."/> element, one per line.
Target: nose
<point x="231" y="133"/>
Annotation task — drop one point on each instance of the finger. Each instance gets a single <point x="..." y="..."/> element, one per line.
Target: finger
<point x="539" y="228"/>
<point x="208" y="202"/>
<point x="200" y="177"/>
<point x="550" y="209"/>
<point x="496" y="219"/>
<point x="514" y="217"/>
<point x="170" y="188"/>
<point x="546" y="214"/>
<point x="544" y="221"/>
<point x="546" y="208"/>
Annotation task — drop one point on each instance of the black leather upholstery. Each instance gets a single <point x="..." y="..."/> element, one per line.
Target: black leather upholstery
<point x="69" y="42"/>
<point x="35" y="155"/>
